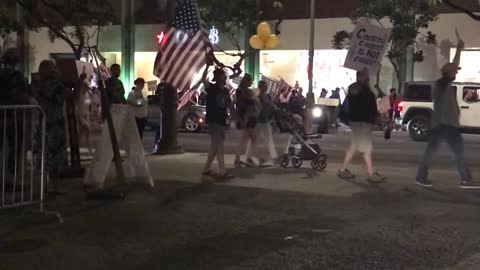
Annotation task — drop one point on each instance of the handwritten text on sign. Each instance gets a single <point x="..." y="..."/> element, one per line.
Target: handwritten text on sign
<point x="368" y="47"/>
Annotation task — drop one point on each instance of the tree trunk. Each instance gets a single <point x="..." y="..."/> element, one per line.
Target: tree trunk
<point x="169" y="143"/>
<point x="397" y="73"/>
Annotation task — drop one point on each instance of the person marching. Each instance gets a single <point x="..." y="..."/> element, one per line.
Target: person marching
<point x="360" y="110"/>
<point x="218" y="102"/>
<point x="446" y="124"/>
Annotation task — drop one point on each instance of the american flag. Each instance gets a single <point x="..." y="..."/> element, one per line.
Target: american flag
<point x="272" y="85"/>
<point x="189" y="96"/>
<point x="184" y="48"/>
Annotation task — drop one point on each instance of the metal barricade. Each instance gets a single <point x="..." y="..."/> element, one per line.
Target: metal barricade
<point x="22" y="156"/>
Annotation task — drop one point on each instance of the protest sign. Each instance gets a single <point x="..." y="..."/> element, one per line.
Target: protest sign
<point x="152" y="86"/>
<point x="367" y="47"/>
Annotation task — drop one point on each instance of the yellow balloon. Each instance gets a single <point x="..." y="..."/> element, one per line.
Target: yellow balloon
<point x="272" y="42"/>
<point x="256" y="42"/>
<point x="264" y="31"/>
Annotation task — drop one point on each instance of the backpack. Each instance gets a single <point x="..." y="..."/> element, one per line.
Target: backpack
<point x="7" y="89"/>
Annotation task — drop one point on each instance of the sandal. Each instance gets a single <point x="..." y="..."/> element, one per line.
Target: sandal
<point x="376" y="178"/>
<point x="209" y="173"/>
<point x="226" y="176"/>
<point x="345" y="174"/>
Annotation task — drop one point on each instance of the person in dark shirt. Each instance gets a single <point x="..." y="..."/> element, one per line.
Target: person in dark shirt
<point x="334" y="110"/>
<point x="248" y="110"/>
<point x="218" y="103"/>
<point x="362" y="115"/>
<point x="115" y="89"/>
<point x="297" y="103"/>
<point x="13" y="91"/>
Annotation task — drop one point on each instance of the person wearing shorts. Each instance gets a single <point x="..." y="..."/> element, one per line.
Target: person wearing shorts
<point x="248" y="110"/>
<point x="362" y="114"/>
<point x="218" y="103"/>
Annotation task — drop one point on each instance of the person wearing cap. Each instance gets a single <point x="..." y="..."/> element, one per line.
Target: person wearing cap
<point x="218" y="103"/>
<point x="139" y="105"/>
<point x="446" y="124"/>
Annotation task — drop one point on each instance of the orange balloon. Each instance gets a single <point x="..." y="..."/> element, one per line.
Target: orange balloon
<point x="272" y="42"/>
<point x="256" y="42"/>
<point x="264" y="31"/>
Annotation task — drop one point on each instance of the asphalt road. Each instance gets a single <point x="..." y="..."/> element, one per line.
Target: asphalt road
<point x="265" y="219"/>
<point x="399" y="150"/>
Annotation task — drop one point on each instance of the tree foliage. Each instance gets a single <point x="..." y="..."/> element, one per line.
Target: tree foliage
<point x="408" y="20"/>
<point x="76" y="22"/>
<point x="229" y="17"/>
<point x="456" y="6"/>
<point x="232" y="17"/>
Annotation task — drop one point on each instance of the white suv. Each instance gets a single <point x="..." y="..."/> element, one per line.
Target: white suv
<point x="417" y="108"/>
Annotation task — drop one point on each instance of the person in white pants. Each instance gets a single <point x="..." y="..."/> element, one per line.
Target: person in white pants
<point x="263" y="129"/>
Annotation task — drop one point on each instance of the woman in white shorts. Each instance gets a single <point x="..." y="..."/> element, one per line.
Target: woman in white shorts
<point x="361" y="110"/>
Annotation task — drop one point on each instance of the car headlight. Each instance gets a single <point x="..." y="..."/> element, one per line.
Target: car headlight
<point x="317" y="112"/>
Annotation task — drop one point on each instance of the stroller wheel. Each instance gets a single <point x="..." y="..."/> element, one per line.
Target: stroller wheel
<point x="297" y="162"/>
<point x="319" y="163"/>
<point x="284" y="161"/>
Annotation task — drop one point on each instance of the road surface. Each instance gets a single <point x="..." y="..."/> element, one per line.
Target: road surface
<point x="399" y="150"/>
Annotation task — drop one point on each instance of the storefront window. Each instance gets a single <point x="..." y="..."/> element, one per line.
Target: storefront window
<point x="144" y="64"/>
<point x="292" y="66"/>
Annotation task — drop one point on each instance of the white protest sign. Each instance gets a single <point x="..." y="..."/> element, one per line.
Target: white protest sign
<point x="367" y="47"/>
<point x="84" y="67"/>
<point x="152" y="86"/>
<point x="135" y="165"/>
<point x="331" y="102"/>
<point x="383" y="104"/>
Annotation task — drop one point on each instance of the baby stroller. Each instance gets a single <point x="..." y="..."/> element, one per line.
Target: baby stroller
<point x="300" y="147"/>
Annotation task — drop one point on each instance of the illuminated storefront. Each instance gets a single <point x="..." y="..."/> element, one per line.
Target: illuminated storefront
<point x="292" y="65"/>
<point x="291" y="59"/>
<point x="469" y="61"/>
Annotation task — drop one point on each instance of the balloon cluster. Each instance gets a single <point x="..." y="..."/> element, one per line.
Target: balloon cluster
<point x="264" y="39"/>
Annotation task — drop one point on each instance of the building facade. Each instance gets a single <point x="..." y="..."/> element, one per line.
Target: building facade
<point x="289" y="61"/>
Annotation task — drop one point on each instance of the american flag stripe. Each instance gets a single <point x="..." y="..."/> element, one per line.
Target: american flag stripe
<point x="185" y="48"/>
<point x="191" y="64"/>
<point x="187" y="97"/>
<point x="199" y="63"/>
<point x="173" y="61"/>
<point x="272" y="85"/>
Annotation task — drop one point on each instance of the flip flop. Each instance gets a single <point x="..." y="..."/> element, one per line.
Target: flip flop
<point x="226" y="176"/>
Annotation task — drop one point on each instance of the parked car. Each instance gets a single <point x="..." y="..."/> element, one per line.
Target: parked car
<point x="190" y="118"/>
<point x="417" y="107"/>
